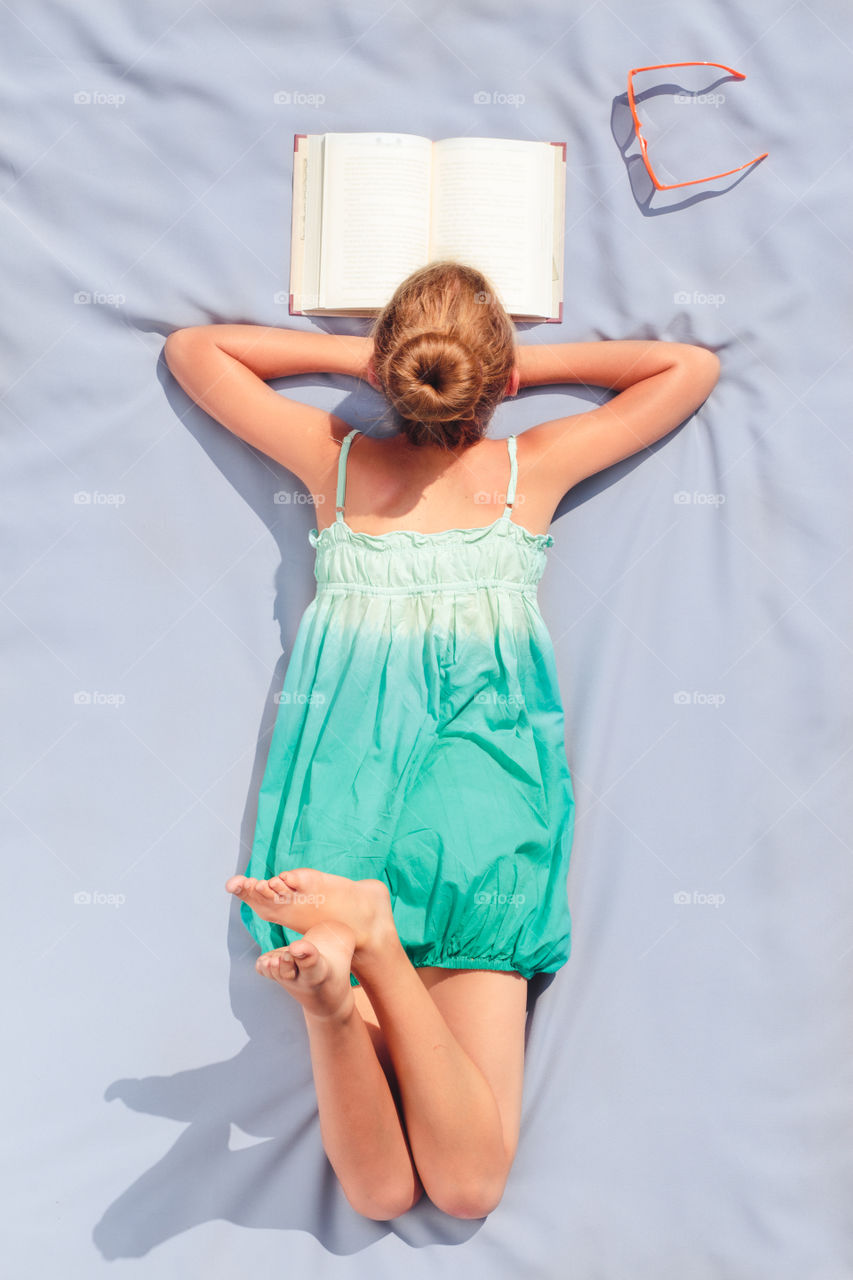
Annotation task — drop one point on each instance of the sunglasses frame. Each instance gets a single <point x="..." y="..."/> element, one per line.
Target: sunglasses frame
<point x="638" y="128"/>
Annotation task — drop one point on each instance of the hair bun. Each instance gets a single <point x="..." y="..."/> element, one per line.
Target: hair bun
<point x="434" y="377"/>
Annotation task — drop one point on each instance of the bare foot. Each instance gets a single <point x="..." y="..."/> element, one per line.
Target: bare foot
<point x="315" y="970"/>
<point x="302" y="897"/>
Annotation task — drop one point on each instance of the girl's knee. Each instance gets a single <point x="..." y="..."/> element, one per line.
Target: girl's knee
<point x="388" y="1202"/>
<point x="474" y="1200"/>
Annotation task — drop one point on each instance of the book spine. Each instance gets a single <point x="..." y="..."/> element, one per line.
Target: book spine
<point x="294" y="214"/>
<point x="559" y="214"/>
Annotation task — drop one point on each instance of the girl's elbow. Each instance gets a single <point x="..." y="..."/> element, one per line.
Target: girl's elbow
<point x="703" y="369"/>
<point x="179" y="335"/>
<point x="177" y="346"/>
<point x="707" y="360"/>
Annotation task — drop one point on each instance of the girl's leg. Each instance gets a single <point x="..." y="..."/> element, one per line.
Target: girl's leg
<point x="363" y="1135"/>
<point x="460" y="1105"/>
<point x="456" y="1041"/>
<point x="359" y="1122"/>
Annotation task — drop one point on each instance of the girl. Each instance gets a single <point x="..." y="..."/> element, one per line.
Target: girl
<point x="408" y="872"/>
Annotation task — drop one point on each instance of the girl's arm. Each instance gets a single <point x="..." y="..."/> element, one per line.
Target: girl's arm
<point x="278" y="352"/>
<point x="224" y="368"/>
<point x="660" y="385"/>
<point x="611" y="363"/>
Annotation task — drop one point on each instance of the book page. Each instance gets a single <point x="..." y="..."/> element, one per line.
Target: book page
<point x="493" y="208"/>
<point x="376" y="206"/>
<point x="307" y="220"/>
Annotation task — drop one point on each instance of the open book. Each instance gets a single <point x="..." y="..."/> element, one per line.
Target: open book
<point x="370" y="208"/>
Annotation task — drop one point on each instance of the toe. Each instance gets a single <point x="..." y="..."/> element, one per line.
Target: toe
<point x="296" y="877"/>
<point x="278" y="965"/>
<point x="305" y="953"/>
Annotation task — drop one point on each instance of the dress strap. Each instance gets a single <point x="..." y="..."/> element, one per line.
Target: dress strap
<point x="513" y="476"/>
<point x="342" y="474"/>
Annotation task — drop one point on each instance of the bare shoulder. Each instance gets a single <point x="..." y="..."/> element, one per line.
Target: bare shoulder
<point x="563" y="451"/>
<point x="371" y="474"/>
<point x="540" y="488"/>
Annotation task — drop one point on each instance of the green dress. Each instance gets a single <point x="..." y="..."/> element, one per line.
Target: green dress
<point x="419" y="740"/>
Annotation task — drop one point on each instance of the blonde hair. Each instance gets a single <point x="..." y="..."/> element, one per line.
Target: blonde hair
<point x="443" y="352"/>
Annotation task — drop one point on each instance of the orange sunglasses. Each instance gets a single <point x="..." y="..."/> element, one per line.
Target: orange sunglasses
<point x="638" y="128"/>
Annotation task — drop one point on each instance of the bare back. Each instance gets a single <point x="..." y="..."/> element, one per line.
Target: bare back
<point x="394" y="485"/>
